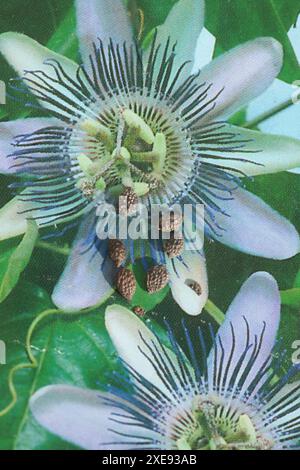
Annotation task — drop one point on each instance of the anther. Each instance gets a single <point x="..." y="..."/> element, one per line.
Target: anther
<point x="126" y="283"/>
<point x="117" y="252"/>
<point x="96" y="129"/>
<point x="157" y="278"/>
<point x="160" y="149"/>
<point x="128" y="201"/>
<point x="139" y="311"/>
<point x="134" y="120"/>
<point x="195" y="286"/>
<point x="174" y="246"/>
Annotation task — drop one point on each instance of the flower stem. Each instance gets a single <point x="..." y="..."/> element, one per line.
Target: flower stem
<point x="266" y="115"/>
<point x="54" y="248"/>
<point x="214" y="312"/>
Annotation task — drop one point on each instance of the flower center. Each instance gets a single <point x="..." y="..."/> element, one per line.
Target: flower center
<point x="139" y="145"/>
<point x="215" y="430"/>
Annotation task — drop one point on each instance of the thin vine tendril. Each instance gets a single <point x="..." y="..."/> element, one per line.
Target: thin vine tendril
<point x="33" y="364"/>
<point x="214" y="312"/>
<point x="142" y="24"/>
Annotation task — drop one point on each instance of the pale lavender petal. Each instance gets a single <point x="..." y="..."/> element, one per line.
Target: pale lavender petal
<point x="88" y="275"/>
<point x="294" y="37"/>
<point x="13" y="218"/>
<point x="243" y="73"/>
<point x="183" y="27"/>
<point x="204" y="50"/>
<point x="84" y="418"/>
<point x="284" y="408"/>
<point x="11" y="129"/>
<point x="252" y="152"/>
<point x="25" y="54"/>
<point x="136" y="345"/>
<point x="102" y="19"/>
<point x="285" y="122"/>
<point x="251" y="226"/>
<point x="247" y="335"/>
<point x="14" y="215"/>
<point x="192" y="268"/>
<point x="130" y="345"/>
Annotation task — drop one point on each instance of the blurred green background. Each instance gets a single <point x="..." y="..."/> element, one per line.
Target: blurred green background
<point x="76" y="350"/>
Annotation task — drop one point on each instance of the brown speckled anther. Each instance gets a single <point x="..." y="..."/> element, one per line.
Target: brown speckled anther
<point x="195" y="287"/>
<point x="117" y="252"/>
<point x="157" y="278"/>
<point x="139" y="311"/>
<point x="126" y="283"/>
<point x="127" y="202"/>
<point x="170" y="221"/>
<point x="173" y="247"/>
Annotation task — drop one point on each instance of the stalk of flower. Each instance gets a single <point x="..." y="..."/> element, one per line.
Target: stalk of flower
<point x="231" y="400"/>
<point x="143" y="124"/>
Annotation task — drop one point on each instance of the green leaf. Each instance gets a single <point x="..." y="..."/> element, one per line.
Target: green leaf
<point x="291" y="297"/>
<point x="14" y="261"/>
<point x="64" y="40"/>
<point x="141" y="297"/>
<point x="236" y="21"/>
<point x="70" y="349"/>
<point x="74" y="350"/>
<point x="297" y="280"/>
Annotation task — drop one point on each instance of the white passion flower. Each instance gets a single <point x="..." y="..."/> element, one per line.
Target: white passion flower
<point x="230" y="401"/>
<point x="145" y="124"/>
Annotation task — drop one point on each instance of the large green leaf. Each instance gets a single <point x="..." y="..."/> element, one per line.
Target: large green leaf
<point x="64" y="39"/>
<point x="70" y="349"/>
<point x="74" y="350"/>
<point x="14" y="261"/>
<point x="291" y="297"/>
<point x="236" y="21"/>
<point x="297" y="280"/>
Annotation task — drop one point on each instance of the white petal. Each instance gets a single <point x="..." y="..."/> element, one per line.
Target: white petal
<point x="285" y="122"/>
<point x="13" y="220"/>
<point x="81" y="417"/>
<point x="284" y="408"/>
<point x="283" y="397"/>
<point x="259" y="154"/>
<point x="242" y="73"/>
<point x="183" y="26"/>
<point x="253" y="227"/>
<point x="254" y="311"/>
<point x="129" y="335"/>
<point x="87" y="277"/>
<point x="25" y="54"/>
<point x="11" y="129"/>
<point x="102" y="19"/>
<point x="132" y="340"/>
<point x="295" y="171"/>
<point x="204" y="50"/>
<point x="14" y="215"/>
<point x="193" y="268"/>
